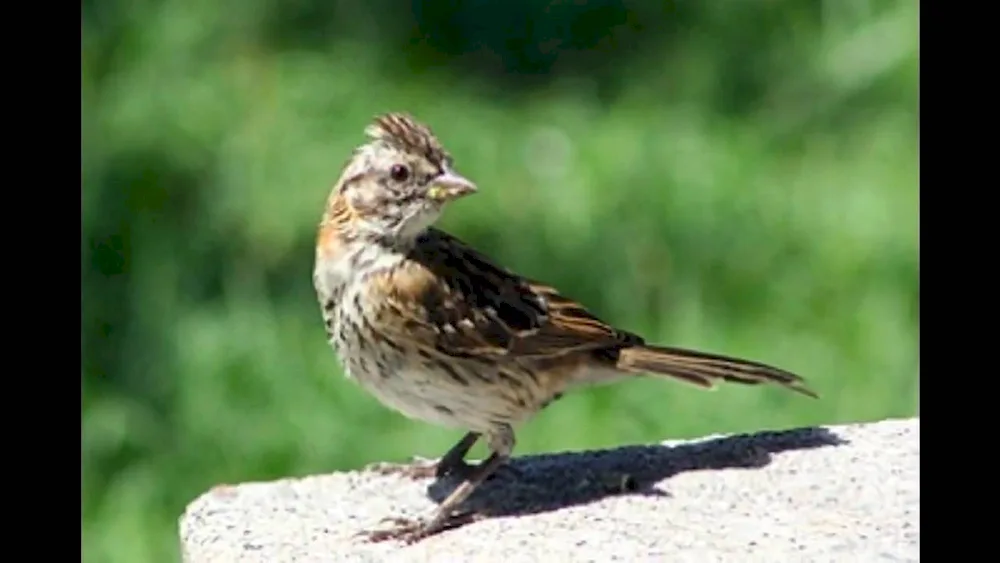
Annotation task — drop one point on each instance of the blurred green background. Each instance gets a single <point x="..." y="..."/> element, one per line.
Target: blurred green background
<point x="735" y="176"/>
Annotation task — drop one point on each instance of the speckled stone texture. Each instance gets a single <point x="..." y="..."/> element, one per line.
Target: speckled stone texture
<point x="839" y="493"/>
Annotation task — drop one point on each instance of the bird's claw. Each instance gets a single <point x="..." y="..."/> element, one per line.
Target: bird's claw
<point x="405" y="530"/>
<point x="410" y="530"/>
<point x="419" y="468"/>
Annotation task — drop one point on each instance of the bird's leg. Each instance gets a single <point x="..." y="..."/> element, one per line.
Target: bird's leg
<point x="410" y="531"/>
<point x="445" y="518"/>
<point x="452" y="463"/>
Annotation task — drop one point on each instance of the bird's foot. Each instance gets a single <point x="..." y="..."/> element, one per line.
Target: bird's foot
<point x="417" y="469"/>
<point x="411" y="530"/>
<point x="421" y="468"/>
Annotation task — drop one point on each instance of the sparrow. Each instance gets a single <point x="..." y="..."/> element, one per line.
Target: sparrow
<point x="439" y="332"/>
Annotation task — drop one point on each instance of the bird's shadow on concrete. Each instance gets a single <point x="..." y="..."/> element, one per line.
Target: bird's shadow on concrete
<point x="549" y="482"/>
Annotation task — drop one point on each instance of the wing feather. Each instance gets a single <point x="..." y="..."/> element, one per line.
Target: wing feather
<point x="470" y="307"/>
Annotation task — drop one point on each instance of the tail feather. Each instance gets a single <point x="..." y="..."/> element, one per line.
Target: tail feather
<point x="704" y="369"/>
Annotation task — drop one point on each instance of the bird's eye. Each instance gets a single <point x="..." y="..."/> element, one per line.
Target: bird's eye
<point x="399" y="172"/>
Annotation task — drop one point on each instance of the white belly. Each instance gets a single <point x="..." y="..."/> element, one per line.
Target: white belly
<point x="469" y="396"/>
<point x="417" y="396"/>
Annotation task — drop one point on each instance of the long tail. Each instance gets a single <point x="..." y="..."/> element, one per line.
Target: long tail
<point x="704" y="370"/>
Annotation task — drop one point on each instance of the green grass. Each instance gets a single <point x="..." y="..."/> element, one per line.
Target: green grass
<point x="785" y="232"/>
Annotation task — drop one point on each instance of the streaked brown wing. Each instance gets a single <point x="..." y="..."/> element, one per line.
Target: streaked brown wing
<point x="484" y="310"/>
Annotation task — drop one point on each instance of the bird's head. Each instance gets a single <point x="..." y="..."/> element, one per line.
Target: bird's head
<point x="397" y="184"/>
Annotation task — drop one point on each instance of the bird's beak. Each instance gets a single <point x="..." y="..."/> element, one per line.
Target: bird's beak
<point x="450" y="186"/>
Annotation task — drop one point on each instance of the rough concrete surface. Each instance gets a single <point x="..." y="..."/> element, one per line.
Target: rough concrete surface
<point x="841" y="493"/>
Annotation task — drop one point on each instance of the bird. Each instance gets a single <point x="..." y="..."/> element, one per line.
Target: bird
<point x="441" y="333"/>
